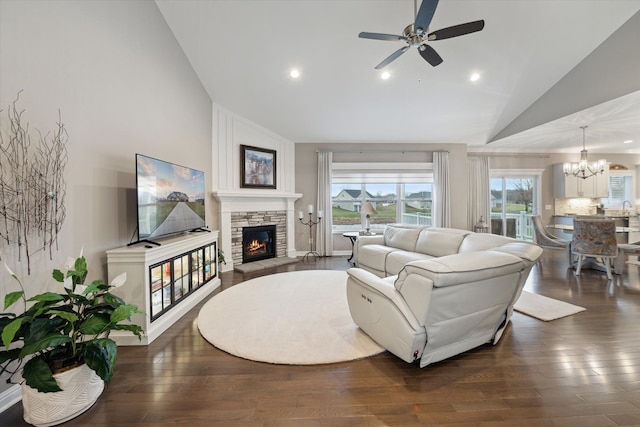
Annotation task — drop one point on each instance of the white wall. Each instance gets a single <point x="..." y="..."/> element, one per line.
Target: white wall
<point x="122" y="85"/>
<point x="229" y="132"/>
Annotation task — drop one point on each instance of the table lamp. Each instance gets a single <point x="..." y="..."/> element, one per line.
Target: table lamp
<point x="367" y="210"/>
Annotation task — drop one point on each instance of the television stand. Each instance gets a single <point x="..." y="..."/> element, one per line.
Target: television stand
<point x="164" y="281"/>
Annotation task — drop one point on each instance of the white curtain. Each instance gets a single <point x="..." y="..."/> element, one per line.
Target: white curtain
<point x="441" y="190"/>
<point x="324" y="237"/>
<point x="479" y="193"/>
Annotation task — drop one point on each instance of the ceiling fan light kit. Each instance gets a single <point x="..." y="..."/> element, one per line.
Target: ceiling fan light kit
<point x="416" y="34"/>
<point x="583" y="169"/>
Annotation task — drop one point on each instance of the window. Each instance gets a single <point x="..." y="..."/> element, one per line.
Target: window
<point x="621" y="188"/>
<point x="515" y="196"/>
<point x="398" y="193"/>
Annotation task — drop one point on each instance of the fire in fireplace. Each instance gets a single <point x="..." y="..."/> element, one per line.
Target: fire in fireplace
<point x="258" y="243"/>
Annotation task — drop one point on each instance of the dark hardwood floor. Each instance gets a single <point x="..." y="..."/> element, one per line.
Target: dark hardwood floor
<point x="582" y="370"/>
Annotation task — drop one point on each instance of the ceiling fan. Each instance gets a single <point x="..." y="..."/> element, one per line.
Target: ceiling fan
<point x="415" y="35"/>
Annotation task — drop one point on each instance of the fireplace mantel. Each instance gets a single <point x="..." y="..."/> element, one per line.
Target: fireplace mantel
<point x="231" y="201"/>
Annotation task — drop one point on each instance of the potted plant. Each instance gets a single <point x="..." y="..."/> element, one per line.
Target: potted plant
<point x="64" y="339"/>
<point x="221" y="259"/>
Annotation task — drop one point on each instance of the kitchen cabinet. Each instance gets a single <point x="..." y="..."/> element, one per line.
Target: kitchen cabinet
<point x="602" y="184"/>
<point x="565" y="187"/>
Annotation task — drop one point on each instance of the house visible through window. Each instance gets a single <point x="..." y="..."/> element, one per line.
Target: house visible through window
<point x="398" y="196"/>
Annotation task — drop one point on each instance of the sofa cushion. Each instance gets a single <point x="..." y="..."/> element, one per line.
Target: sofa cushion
<point x="396" y="260"/>
<point x="440" y="242"/>
<point x="402" y="237"/>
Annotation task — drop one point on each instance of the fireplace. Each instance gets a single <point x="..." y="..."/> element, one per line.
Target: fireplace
<point x="258" y="243"/>
<point x="254" y="208"/>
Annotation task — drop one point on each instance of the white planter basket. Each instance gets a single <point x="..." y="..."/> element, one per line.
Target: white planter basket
<point x="80" y="386"/>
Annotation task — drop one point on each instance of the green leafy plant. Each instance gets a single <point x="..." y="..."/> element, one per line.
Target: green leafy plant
<point x="221" y="259"/>
<point x="59" y="330"/>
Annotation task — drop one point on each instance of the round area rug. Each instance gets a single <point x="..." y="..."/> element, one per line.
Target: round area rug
<point x="295" y="318"/>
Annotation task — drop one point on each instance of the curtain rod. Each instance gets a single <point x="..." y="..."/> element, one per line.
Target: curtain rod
<point x="381" y="151"/>
<point x="530" y="155"/>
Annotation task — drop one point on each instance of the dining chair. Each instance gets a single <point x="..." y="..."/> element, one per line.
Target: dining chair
<point x="625" y="250"/>
<point x="594" y="238"/>
<point x="547" y="240"/>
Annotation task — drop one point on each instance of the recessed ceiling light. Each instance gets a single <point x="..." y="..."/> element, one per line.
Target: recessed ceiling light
<point x="385" y="75"/>
<point x="474" y="77"/>
<point x="294" y="73"/>
<point x="628" y="141"/>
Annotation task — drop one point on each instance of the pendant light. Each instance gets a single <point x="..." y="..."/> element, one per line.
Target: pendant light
<point x="583" y="169"/>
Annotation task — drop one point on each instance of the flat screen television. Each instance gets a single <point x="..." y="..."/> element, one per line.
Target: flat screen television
<point x="170" y="198"/>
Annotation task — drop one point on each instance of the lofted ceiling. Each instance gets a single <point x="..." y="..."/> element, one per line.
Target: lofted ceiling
<point x="543" y="65"/>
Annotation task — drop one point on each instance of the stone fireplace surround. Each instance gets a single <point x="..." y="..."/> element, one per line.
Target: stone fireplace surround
<point x="243" y="206"/>
<point x="240" y="220"/>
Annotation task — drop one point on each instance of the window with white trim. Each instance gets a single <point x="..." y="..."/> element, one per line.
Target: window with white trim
<point x="621" y="189"/>
<point x="400" y="193"/>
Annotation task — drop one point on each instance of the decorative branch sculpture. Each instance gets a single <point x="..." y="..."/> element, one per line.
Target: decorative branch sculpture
<point x="32" y="186"/>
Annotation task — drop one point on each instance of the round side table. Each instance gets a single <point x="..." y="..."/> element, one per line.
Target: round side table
<point x="353" y="236"/>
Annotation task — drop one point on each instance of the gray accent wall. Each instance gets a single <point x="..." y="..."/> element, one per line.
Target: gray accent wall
<point x="122" y="85"/>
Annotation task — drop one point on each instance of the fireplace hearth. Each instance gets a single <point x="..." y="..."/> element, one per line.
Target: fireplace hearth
<point x="258" y="243"/>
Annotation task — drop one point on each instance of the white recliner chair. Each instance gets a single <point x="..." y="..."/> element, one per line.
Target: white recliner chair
<point x="436" y="308"/>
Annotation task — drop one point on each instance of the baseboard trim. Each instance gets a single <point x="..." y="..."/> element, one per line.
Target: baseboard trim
<point x="10" y="397"/>
<point x="335" y="253"/>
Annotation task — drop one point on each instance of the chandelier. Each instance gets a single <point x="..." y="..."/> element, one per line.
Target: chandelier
<point x="583" y="169"/>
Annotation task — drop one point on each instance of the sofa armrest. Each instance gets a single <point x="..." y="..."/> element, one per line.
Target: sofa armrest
<point x="378" y="239"/>
<point x="383" y="286"/>
<point x="379" y="310"/>
<point x="367" y="240"/>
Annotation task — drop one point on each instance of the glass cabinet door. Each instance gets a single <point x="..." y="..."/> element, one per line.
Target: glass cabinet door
<point x="209" y="263"/>
<point x="196" y="269"/>
<point x="161" y="280"/>
<point x="181" y="277"/>
<point x="167" y="297"/>
<point x="155" y="278"/>
<point x="172" y="280"/>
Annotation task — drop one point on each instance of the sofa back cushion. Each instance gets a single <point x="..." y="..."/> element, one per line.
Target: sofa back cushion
<point x="483" y="241"/>
<point x="439" y="242"/>
<point x="402" y="236"/>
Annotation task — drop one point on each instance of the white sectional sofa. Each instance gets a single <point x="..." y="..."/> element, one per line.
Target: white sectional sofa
<point x="426" y="294"/>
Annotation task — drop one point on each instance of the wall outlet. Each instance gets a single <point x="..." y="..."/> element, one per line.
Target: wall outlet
<point x="547" y="207"/>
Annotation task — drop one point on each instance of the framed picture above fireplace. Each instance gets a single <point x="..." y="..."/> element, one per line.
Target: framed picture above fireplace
<point x="258" y="167"/>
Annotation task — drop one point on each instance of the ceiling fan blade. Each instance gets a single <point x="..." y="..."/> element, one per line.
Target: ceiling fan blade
<point x="425" y="15"/>
<point x="379" y="36"/>
<point x="456" y="30"/>
<point x="430" y="55"/>
<point x="389" y="59"/>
